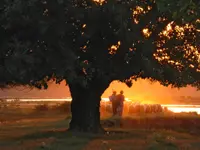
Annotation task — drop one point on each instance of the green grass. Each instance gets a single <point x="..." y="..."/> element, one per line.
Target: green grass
<point x="48" y="131"/>
<point x="35" y="129"/>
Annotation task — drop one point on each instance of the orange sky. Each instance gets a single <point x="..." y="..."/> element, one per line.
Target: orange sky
<point x="141" y="90"/>
<point x="144" y="91"/>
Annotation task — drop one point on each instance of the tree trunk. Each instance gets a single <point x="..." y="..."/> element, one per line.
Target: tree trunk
<point x="85" y="106"/>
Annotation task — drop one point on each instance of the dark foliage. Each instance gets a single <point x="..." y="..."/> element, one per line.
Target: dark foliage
<point x="70" y="40"/>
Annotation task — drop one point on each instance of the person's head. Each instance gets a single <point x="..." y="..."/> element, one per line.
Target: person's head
<point x="114" y="92"/>
<point x="121" y="92"/>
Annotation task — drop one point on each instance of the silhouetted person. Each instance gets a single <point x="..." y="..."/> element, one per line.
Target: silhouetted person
<point x="120" y="103"/>
<point x="112" y="99"/>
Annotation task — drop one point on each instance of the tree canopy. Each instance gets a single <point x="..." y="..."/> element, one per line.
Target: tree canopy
<point x="91" y="43"/>
<point x="184" y="10"/>
<point x="115" y="40"/>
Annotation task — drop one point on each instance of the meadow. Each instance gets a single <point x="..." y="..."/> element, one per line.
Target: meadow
<point x="39" y="125"/>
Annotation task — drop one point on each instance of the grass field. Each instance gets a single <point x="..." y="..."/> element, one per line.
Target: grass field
<point x="28" y="129"/>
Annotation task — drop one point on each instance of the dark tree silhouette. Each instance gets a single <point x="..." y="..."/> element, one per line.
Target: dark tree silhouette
<point x="90" y="44"/>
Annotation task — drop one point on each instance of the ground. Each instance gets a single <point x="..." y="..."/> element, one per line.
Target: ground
<point x="30" y="130"/>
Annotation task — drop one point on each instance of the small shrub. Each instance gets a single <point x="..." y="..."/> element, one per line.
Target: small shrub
<point x="63" y="107"/>
<point x="3" y="103"/>
<point x="14" y="104"/>
<point x="42" y="107"/>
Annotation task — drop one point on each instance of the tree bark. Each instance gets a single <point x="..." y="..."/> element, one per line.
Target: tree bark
<point x="85" y="106"/>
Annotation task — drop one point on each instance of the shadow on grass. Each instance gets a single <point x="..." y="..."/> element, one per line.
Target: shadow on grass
<point x="65" y="134"/>
<point x="59" y="139"/>
<point x="119" y="136"/>
<point x="62" y="139"/>
<point x="115" y="138"/>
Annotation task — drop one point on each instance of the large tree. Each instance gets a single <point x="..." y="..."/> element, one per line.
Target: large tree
<point x="89" y="44"/>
